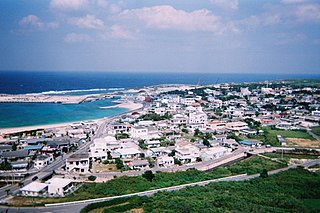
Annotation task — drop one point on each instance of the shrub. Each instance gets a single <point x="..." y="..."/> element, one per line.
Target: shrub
<point x="92" y="178"/>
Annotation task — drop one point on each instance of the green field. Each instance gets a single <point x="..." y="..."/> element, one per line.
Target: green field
<point x="126" y="185"/>
<point x="316" y="130"/>
<point x="271" y="135"/>
<point x="296" y="190"/>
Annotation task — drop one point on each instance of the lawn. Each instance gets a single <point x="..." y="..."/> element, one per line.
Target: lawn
<point x="295" y="190"/>
<point x="126" y="185"/>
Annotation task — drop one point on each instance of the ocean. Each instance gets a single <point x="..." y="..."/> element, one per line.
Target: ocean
<point x="79" y="83"/>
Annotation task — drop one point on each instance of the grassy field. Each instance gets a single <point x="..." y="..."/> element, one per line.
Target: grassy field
<point x="316" y="130"/>
<point x="295" y="190"/>
<point x="126" y="185"/>
<point x="271" y="135"/>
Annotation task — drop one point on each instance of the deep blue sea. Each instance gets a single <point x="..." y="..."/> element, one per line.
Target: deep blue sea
<point x="78" y="83"/>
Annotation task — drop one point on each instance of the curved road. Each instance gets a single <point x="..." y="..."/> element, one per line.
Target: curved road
<point x="78" y="205"/>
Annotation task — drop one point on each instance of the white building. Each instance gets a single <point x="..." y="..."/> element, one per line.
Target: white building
<point x="35" y="189"/>
<point x="101" y="146"/>
<point x="42" y="161"/>
<point x="139" y="132"/>
<point x="160" y="111"/>
<point x="187" y="154"/>
<point x="214" y="152"/>
<point x="78" y="163"/>
<point x="165" y="161"/>
<point x="198" y="117"/>
<point x="59" y="186"/>
<point x="237" y="126"/>
<point x="179" y="119"/>
<point x="128" y="153"/>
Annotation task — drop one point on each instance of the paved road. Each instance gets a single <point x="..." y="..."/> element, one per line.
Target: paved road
<point x="60" y="161"/>
<point x="78" y="205"/>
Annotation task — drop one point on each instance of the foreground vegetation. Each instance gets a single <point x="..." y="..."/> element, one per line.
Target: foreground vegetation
<point x="316" y="130"/>
<point x="296" y="190"/>
<point x="126" y="185"/>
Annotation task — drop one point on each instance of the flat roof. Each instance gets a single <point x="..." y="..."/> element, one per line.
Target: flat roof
<point x="34" y="187"/>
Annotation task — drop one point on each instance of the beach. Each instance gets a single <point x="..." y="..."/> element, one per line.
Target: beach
<point x="129" y="105"/>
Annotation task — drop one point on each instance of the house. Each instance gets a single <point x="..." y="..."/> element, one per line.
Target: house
<point x="5" y="148"/>
<point x="214" y="152"/>
<point x="35" y="189"/>
<point x="42" y="161"/>
<point x="237" y="126"/>
<point x="78" y="163"/>
<point x="139" y="164"/>
<point x="158" y="151"/>
<point x="248" y="132"/>
<point x="160" y="111"/>
<point x="197" y="117"/>
<point x="16" y="155"/>
<point x="216" y="125"/>
<point x="128" y="153"/>
<point x="59" y="186"/>
<point x="187" y="154"/>
<point x="152" y="143"/>
<point x="251" y="143"/>
<point x="165" y="161"/>
<point x="116" y="128"/>
<point x="139" y="132"/>
<point x="101" y="146"/>
<point x="179" y="119"/>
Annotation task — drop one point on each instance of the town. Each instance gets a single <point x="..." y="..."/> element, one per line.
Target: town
<point x="177" y="127"/>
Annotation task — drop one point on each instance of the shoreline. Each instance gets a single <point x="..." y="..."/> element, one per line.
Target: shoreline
<point x="129" y="105"/>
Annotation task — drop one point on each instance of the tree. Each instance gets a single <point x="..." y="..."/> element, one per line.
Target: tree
<point x="92" y="178"/>
<point x="177" y="161"/>
<point x="5" y="165"/>
<point x="109" y="156"/>
<point x="119" y="163"/>
<point x="142" y="145"/>
<point x="206" y="142"/>
<point x="148" y="175"/>
<point x="264" y="173"/>
<point x="173" y="153"/>
<point x="151" y="162"/>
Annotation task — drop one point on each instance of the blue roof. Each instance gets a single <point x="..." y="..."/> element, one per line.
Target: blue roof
<point x="35" y="147"/>
<point x="247" y="143"/>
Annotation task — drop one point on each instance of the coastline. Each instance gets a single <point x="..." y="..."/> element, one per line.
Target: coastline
<point x="129" y="105"/>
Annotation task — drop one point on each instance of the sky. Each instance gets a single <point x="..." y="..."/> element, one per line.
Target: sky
<point x="216" y="36"/>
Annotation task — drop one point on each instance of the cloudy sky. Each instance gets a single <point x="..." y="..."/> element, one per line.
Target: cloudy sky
<point x="223" y="36"/>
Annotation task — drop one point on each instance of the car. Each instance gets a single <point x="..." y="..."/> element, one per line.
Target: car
<point x="34" y="178"/>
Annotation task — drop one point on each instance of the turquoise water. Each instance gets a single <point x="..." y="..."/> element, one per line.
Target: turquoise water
<point x="31" y="114"/>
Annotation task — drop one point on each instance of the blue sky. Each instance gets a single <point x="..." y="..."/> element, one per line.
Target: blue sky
<point x="222" y="36"/>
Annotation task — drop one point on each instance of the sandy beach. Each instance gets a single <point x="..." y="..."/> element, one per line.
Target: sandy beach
<point x="125" y="104"/>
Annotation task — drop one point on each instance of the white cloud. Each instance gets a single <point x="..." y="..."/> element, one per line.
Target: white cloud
<point x="76" y="37"/>
<point x="167" y="17"/>
<point x="226" y="4"/>
<point x="308" y="12"/>
<point x="68" y="4"/>
<point x="33" y="22"/>
<point x="88" y="21"/>
<point x="114" y="8"/>
<point x="118" y="31"/>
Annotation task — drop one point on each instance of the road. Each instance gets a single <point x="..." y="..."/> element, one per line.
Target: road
<point x="78" y="205"/>
<point x="60" y="161"/>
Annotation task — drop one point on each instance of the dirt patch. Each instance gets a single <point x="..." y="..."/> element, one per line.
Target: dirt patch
<point x="303" y="142"/>
<point x="100" y="167"/>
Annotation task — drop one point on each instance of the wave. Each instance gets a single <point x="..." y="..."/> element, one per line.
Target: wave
<point x="61" y="92"/>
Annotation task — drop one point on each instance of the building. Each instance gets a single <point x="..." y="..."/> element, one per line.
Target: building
<point x="214" y="153"/>
<point x="101" y="146"/>
<point x="139" y="164"/>
<point x="179" y="119"/>
<point x="187" y="154"/>
<point x="42" y="161"/>
<point x="128" y="153"/>
<point x="165" y="161"/>
<point x="59" y="186"/>
<point x="237" y="126"/>
<point x="35" y="189"/>
<point x="78" y="163"/>
<point x="198" y="117"/>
